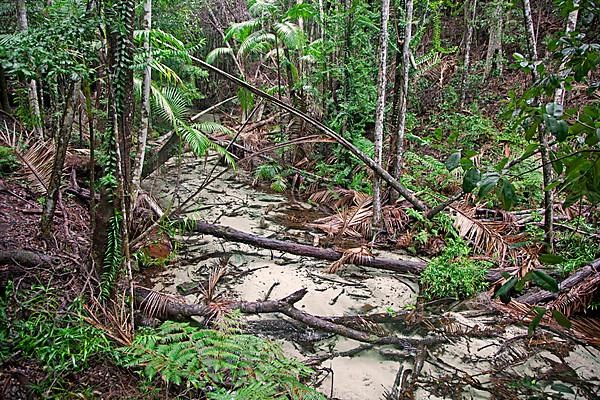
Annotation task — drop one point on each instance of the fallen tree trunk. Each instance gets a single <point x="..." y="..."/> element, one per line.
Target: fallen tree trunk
<point x="27" y="258"/>
<point x="228" y="233"/>
<point x="544" y="296"/>
<point x="369" y="162"/>
<point x="169" y="307"/>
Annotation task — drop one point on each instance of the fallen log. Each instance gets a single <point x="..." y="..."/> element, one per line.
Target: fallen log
<point x="169" y="307"/>
<point x="27" y="258"/>
<point x="544" y="296"/>
<point x="228" y="233"/>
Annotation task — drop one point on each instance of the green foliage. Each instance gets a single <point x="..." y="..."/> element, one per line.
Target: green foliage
<point x="113" y="256"/>
<point x="224" y="364"/>
<point x="59" y="341"/>
<point x="453" y="274"/>
<point x="8" y="161"/>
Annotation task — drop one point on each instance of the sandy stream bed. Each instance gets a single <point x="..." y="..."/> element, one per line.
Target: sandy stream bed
<point x="507" y="365"/>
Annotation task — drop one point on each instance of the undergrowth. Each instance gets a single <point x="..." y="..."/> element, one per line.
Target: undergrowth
<point x="222" y="363"/>
<point x="454" y="274"/>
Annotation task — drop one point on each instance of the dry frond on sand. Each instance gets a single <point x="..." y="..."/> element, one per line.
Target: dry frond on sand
<point x="350" y="256"/>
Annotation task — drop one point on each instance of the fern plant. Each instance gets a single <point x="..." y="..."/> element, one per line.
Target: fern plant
<point x="220" y="363"/>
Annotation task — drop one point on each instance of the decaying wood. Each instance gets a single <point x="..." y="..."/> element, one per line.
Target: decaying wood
<point x="27" y="258"/>
<point x="179" y="310"/>
<point x="543" y="296"/>
<point x="302" y="249"/>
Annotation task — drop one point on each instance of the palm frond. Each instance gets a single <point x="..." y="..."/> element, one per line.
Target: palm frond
<point x="350" y="256"/>
<point x="577" y="298"/>
<point x="240" y="30"/>
<point x="290" y="34"/>
<point x="217" y="53"/>
<point x="256" y="42"/>
<point x="36" y="156"/>
<point x="195" y="137"/>
<point x="168" y="103"/>
<point x="489" y="237"/>
<point x="155" y="303"/>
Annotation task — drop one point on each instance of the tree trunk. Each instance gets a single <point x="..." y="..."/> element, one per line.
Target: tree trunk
<point x="62" y="143"/>
<point x="543" y="138"/>
<point x="470" y="10"/>
<point x="228" y="233"/>
<point x="559" y="94"/>
<point x="404" y="94"/>
<point x="34" y="104"/>
<point x="4" y="104"/>
<point x="380" y="109"/>
<point x="494" y="50"/>
<point x="375" y="167"/>
<point x="136" y="178"/>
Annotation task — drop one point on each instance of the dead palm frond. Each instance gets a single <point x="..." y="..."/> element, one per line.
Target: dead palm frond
<point x="155" y="303"/>
<point x="111" y="319"/>
<point x="350" y="256"/>
<point x="491" y="238"/>
<point x="219" y="269"/>
<point x="37" y="157"/>
<point x="577" y="298"/>
<point x="338" y="198"/>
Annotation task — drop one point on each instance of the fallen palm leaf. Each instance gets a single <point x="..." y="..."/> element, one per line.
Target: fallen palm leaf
<point x="350" y="256"/>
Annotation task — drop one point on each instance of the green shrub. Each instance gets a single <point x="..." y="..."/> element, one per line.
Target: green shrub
<point x="8" y="161"/>
<point x="454" y="274"/>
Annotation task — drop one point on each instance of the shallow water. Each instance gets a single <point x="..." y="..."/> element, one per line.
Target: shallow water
<point x="503" y="364"/>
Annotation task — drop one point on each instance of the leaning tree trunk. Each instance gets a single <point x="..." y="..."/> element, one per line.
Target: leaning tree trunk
<point x="380" y="110"/>
<point x="34" y="104"/>
<point x="542" y="137"/>
<point x="470" y="17"/>
<point x="62" y="142"/>
<point x="136" y="179"/>
<point x="404" y="94"/>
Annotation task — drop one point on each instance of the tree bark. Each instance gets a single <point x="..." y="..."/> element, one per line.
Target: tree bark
<point x="559" y="94"/>
<point x="34" y="104"/>
<point x="172" y="309"/>
<point x="542" y="137"/>
<point x="62" y="143"/>
<point x="494" y="49"/>
<point x="4" y="104"/>
<point x="228" y="233"/>
<point x="380" y="109"/>
<point x="471" y="9"/>
<point x="544" y="296"/>
<point x="136" y="179"/>
<point x="375" y="167"/>
<point x="404" y="94"/>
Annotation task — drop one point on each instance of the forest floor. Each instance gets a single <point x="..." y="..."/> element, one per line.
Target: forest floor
<point x="485" y="354"/>
<point x="22" y="376"/>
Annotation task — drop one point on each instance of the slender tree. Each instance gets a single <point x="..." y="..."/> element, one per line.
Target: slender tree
<point x="470" y="13"/>
<point x="380" y="109"/>
<point x="145" y="118"/>
<point x="542" y="136"/>
<point x="404" y="93"/>
<point x="34" y="104"/>
<point x="559" y="94"/>
<point x="494" y="49"/>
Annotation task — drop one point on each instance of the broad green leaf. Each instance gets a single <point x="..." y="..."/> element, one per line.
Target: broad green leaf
<point x="453" y="161"/>
<point x="544" y="280"/>
<point x="550" y="259"/>
<point x="487" y="183"/>
<point x="536" y="320"/>
<point x="471" y="179"/>
<point x="562" y="388"/>
<point x="507" y="195"/>
<point x="521" y="284"/>
<point x="561" y="319"/>
<point x="504" y="292"/>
